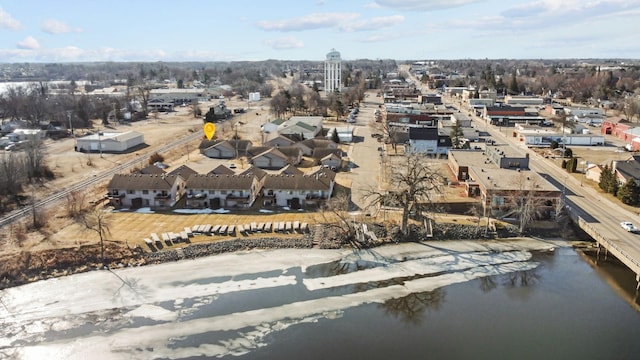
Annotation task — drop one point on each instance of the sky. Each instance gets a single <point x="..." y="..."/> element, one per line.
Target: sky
<point x="254" y="30"/>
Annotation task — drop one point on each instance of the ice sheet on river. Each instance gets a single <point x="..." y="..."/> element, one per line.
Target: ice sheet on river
<point x="30" y="311"/>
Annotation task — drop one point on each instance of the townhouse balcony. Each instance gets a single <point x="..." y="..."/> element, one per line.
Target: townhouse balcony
<point x="115" y="195"/>
<point x="237" y="198"/>
<point x="162" y="196"/>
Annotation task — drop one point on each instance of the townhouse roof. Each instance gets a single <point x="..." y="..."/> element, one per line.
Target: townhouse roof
<point x="291" y="170"/>
<point x="257" y="150"/>
<point x="319" y="181"/>
<point x="318" y="143"/>
<point x="142" y="181"/>
<point x="290" y="151"/>
<point x="322" y="153"/>
<point x="151" y="169"/>
<point x="220" y="182"/>
<point x="275" y="152"/>
<point x="184" y="171"/>
<point x="275" y="136"/>
<point x="254" y="171"/>
<point x="221" y="170"/>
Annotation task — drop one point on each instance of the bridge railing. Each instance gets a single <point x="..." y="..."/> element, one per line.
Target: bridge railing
<point x="611" y="245"/>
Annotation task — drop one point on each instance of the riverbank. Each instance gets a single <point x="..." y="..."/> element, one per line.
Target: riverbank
<point x="31" y="266"/>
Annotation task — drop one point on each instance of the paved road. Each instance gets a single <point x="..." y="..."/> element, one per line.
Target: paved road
<point x="365" y="158"/>
<point x="601" y="214"/>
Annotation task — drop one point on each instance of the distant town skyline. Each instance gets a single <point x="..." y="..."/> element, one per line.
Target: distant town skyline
<point x="243" y="30"/>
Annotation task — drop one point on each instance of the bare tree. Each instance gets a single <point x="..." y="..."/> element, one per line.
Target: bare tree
<point x="76" y="203"/>
<point x="195" y="109"/>
<point x="389" y="132"/>
<point x="12" y="176"/>
<point x="34" y="157"/>
<point x="414" y="182"/>
<point x="334" y="212"/>
<point x="98" y="220"/>
<point x="525" y="200"/>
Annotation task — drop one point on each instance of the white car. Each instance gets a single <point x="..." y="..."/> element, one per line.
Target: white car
<point x="627" y="225"/>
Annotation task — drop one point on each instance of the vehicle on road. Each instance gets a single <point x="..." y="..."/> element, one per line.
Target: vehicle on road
<point x="627" y="225"/>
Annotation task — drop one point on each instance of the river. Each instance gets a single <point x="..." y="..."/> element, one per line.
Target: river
<point x="526" y="299"/>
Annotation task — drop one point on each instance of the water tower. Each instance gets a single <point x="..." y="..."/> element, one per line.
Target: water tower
<point x="333" y="72"/>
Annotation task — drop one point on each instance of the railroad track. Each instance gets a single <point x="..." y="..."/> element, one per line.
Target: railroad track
<point x="54" y="199"/>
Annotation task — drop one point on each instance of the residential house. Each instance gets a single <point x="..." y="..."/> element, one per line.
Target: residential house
<point x="423" y="140"/>
<point x="318" y="154"/>
<point x="298" y="191"/>
<point x="308" y="126"/>
<point x="156" y="191"/>
<point x="276" y="140"/>
<point x="270" y="159"/>
<point x="293" y="154"/>
<point x="309" y="145"/>
<point x="225" y="149"/>
<point x="627" y="170"/>
<point x="593" y="172"/>
<point x="221" y="191"/>
<point x="331" y="161"/>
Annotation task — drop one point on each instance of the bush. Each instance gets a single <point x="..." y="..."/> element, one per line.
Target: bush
<point x="155" y="157"/>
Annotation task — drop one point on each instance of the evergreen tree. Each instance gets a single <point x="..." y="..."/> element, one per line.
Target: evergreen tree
<point x="513" y="85"/>
<point x="334" y="137"/>
<point x="608" y="181"/>
<point x="605" y="178"/>
<point x="628" y="193"/>
<point x="456" y="136"/>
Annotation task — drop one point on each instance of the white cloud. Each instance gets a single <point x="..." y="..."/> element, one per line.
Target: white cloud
<point x="7" y="21"/>
<point x="289" y="42"/>
<point x="29" y="43"/>
<point x="573" y="8"/>
<point x="372" y="5"/>
<point x="57" y="27"/>
<point x="422" y="5"/>
<point x="374" y="23"/>
<point x="308" y="22"/>
<point x="76" y="54"/>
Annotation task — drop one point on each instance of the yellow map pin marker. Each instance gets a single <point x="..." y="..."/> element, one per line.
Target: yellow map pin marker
<point x="209" y="130"/>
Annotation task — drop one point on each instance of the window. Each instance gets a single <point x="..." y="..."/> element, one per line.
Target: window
<point x="131" y="192"/>
<point x="223" y="192"/>
<point x="145" y="192"/>
<point x="497" y="201"/>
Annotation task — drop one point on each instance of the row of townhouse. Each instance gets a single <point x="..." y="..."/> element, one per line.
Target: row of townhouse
<point x="221" y="188"/>
<point x="278" y="152"/>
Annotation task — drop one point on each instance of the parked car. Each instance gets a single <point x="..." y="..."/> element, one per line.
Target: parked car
<point x="627" y="225"/>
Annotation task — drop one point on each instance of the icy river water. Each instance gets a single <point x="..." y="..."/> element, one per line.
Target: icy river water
<point x="527" y="299"/>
